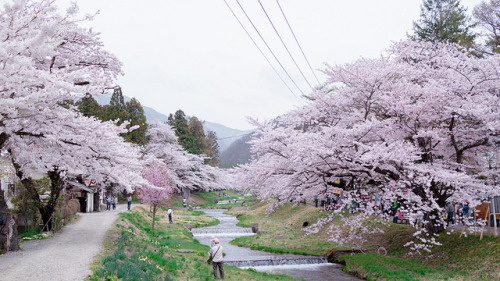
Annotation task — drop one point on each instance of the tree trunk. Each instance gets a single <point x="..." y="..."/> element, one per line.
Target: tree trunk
<point x="434" y="224"/>
<point x="56" y="186"/>
<point x="46" y="215"/>
<point x="8" y="227"/>
<point x="154" y="215"/>
<point x="3" y="139"/>
<point x="97" y="199"/>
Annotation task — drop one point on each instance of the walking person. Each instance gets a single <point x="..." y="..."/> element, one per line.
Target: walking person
<point x="129" y="202"/>
<point x="216" y="254"/>
<point x="465" y="211"/>
<point x="108" y="203"/>
<point x="114" y="201"/>
<point x="450" y="214"/>
<point x="170" y="212"/>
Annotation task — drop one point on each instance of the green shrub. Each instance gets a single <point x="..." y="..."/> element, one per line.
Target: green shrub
<point x="30" y="232"/>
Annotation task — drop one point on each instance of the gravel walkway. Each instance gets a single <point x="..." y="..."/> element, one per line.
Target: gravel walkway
<point x="66" y="256"/>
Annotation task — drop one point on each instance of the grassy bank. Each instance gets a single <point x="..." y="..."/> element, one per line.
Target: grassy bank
<point x="134" y="252"/>
<point x="282" y="231"/>
<point x="457" y="259"/>
<point x="208" y="200"/>
<point x="465" y="258"/>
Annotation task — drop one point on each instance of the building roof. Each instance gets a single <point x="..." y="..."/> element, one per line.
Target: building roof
<point x="79" y="185"/>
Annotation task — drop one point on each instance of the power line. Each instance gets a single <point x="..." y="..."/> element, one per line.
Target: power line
<point x="296" y="40"/>
<point x="269" y="48"/>
<point x="284" y="45"/>
<point x="260" y="50"/>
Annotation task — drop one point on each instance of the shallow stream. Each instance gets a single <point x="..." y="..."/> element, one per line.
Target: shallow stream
<point x="308" y="267"/>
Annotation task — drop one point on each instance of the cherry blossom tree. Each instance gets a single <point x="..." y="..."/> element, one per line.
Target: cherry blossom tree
<point x="83" y="146"/>
<point x="160" y="189"/>
<point x="47" y="59"/>
<point x="186" y="170"/>
<point x="411" y="126"/>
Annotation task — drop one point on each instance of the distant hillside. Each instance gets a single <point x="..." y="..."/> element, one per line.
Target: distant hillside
<point x="237" y="153"/>
<point x="225" y="135"/>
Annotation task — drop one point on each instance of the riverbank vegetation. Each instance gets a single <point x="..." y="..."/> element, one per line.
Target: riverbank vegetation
<point x="134" y="252"/>
<point x="210" y="200"/>
<point x="466" y="258"/>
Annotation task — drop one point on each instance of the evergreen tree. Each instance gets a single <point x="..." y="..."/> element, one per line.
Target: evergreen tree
<point x="136" y="117"/>
<point x="212" y="149"/>
<point x="117" y="98"/>
<point x="170" y="120"/>
<point x="180" y="124"/>
<point x="444" y="21"/>
<point x="192" y="137"/>
<point x="88" y="106"/>
<point x="487" y="16"/>
<point x="196" y="129"/>
<point x="116" y="109"/>
<point x="131" y="111"/>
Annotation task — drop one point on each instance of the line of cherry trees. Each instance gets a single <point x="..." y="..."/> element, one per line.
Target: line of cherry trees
<point x="46" y="60"/>
<point x="420" y="125"/>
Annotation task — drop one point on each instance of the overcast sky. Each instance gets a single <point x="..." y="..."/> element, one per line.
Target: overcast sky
<point x="193" y="55"/>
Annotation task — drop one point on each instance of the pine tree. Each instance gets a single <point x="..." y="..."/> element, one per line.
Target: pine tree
<point x="136" y="117"/>
<point x="116" y="109"/>
<point x="88" y="106"/>
<point x="120" y="110"/>
<point x="444" y="21"/>
<point x="117" y="98"/>
<point x="180" y="124"/>
<point x="212" y="149"/>
<point x="196" y="129"/>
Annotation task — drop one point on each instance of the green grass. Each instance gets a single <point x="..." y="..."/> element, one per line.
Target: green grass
<point x="214" y="195"/>
<point x="466" y="258"/>
<point x="30" y="232"/>
<point x="135" y="252"/>
<point x="247" y="240"/>
<point x="212" y="198"/>
<point x="282" y="231"/>
<point x="376" y="267"/>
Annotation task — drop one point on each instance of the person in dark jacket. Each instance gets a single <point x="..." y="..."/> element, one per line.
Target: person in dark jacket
<point x="465" y="211"/>
<point x="450" y="214"/>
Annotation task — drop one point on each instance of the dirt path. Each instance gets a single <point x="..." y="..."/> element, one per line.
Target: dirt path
<point x="66" y="256"/>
